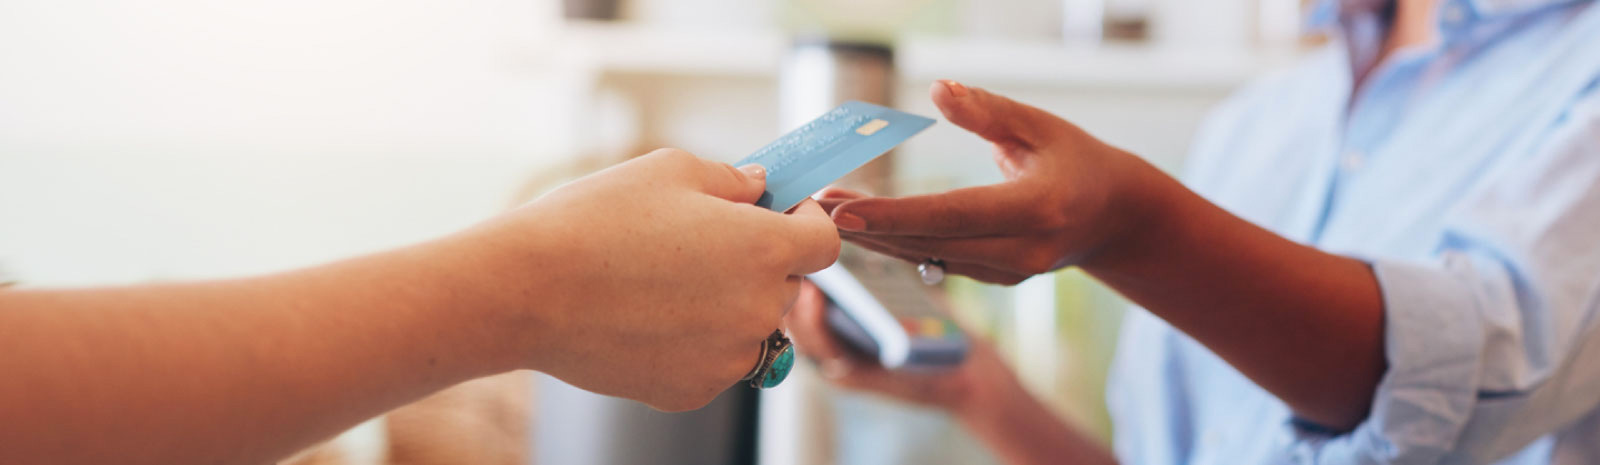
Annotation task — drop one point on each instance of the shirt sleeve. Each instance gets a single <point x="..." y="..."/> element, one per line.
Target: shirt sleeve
<point x="1493" y="344"/>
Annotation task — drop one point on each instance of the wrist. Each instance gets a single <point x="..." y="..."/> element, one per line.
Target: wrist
<point x="988" y="397"/>
<point x="1143" y="198"/>
<point x="495" y="300"/>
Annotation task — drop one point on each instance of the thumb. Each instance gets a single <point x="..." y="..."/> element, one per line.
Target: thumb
<point x="742" y="185"/>
<point x="995" y="118"/>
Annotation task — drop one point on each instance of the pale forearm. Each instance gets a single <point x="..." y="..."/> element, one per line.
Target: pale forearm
<point x="666" y="311"/>
<point x="240" y="371"/>
<point x="1304" y="324"/>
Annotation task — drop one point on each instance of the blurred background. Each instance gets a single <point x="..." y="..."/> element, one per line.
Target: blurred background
<point x="182" y="139"/>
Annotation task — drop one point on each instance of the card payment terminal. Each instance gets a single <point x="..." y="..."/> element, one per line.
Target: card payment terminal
<point x="879" y="306"/>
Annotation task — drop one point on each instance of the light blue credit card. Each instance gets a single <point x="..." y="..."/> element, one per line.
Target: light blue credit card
<point x="807" y="159"/>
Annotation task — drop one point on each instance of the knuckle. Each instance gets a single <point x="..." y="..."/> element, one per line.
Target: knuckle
<point x="728" y="170"/>
<point x="672" y="155"/>
<point x="831" y="245"/>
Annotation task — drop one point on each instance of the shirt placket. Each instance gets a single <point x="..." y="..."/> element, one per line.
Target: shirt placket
<point x="1377" y="109"/>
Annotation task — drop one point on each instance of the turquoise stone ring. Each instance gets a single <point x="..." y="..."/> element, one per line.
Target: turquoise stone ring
<point x="779" y="369"/>
<point x="777" y="358"/>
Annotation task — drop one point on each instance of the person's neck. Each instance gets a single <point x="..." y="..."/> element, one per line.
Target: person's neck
<point x="1413" y="24"/>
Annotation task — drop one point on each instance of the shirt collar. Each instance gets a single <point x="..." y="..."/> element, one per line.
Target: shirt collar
<point x="1325" y="14"/>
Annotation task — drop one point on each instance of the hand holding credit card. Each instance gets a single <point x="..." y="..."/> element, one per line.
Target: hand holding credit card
<point x="870" y="306"/>
<point x="809" y="158"/>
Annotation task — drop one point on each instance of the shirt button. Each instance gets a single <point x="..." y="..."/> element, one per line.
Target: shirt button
<point x="1352" y="161"/>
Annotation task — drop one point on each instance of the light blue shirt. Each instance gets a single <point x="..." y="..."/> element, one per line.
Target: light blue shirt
<point x="1467" y="172"/>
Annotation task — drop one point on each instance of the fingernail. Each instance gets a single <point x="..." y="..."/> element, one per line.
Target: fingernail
<point x="956" y="89"/>
<point x="849" y="222"/>
<point x="754" y="170"/>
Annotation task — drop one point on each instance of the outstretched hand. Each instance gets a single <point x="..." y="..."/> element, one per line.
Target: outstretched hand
<point x="1060" y="202"/>
<point x="1071" y="200"/>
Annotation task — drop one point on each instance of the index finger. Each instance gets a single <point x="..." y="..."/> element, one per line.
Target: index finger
<point x="815" y="239"/>
<point x="989" y="210"/>
<point x="834" y="196"/>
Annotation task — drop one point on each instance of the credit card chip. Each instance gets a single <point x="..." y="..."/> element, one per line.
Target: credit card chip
<point x="872" y="127"/>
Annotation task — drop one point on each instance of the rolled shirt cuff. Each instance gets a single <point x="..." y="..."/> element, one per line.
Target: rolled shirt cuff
<point x="1433" y="340"/>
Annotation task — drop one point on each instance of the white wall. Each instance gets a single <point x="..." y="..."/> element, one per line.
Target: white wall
<point x="186" y="138"/>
